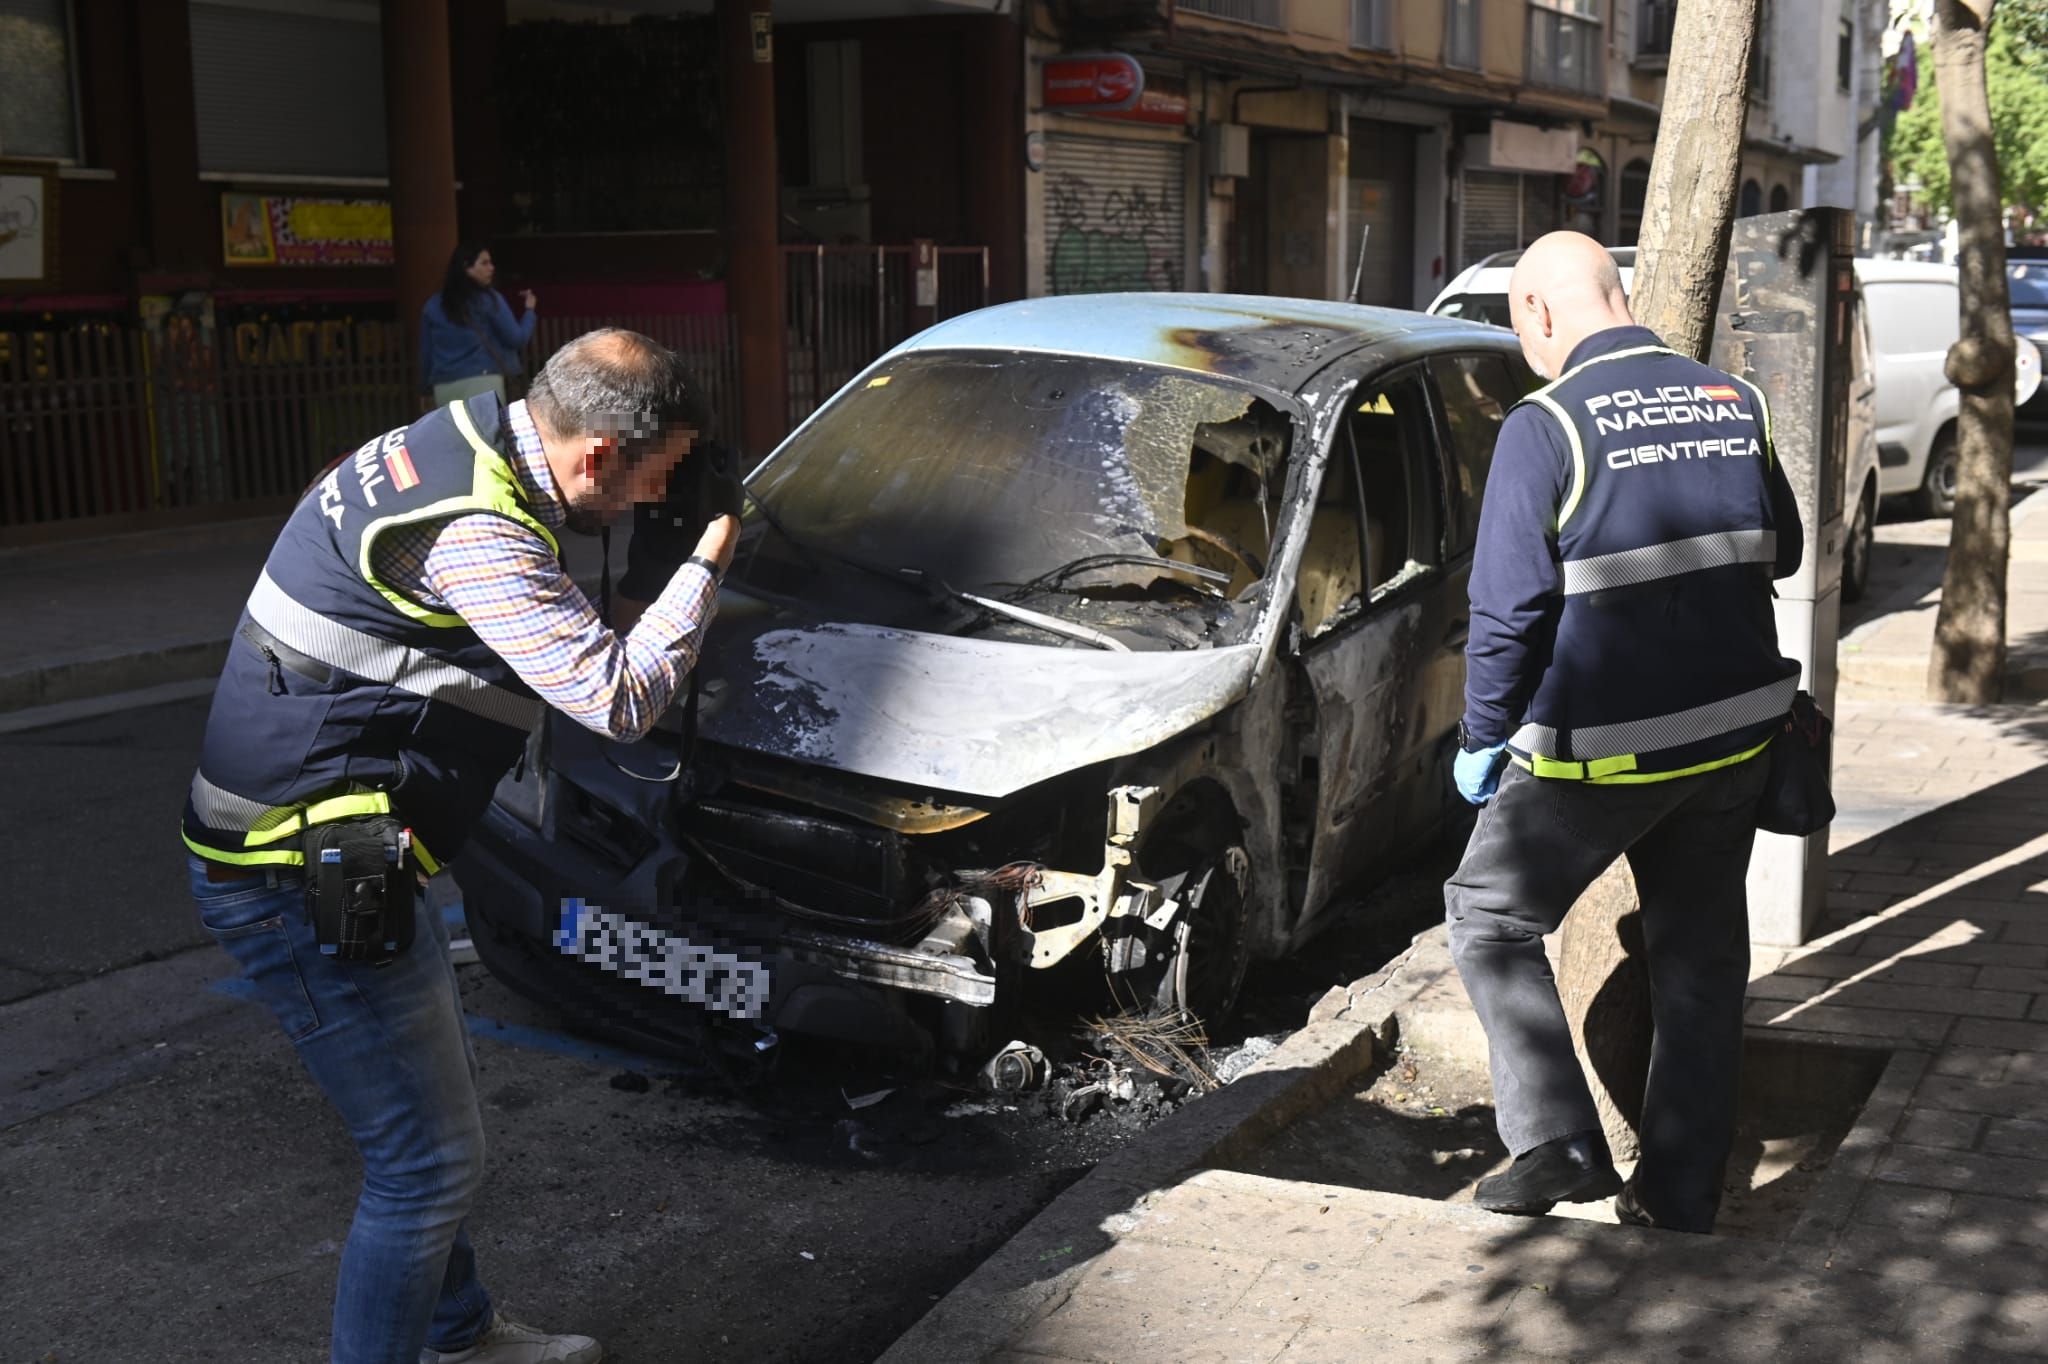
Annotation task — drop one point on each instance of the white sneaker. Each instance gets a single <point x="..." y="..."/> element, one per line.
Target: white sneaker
<point x="505" y="1341"/>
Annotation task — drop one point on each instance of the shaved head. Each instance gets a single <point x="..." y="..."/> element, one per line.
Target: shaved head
<point x="1563" y="290"/>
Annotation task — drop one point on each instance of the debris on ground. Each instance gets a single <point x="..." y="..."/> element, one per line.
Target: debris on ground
<point x="1162" y="1043"/>
<point x="1014" y="1069"/>
<point x="1254" y="1050"/>
<point x="631" y="1081"/>
<point x="860" y="1101"/>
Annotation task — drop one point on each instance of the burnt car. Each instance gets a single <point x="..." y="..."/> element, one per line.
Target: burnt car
<point x="1118" y="629"/>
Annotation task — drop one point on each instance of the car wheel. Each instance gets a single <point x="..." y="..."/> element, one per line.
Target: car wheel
<point x="1205" y="973"/>
<point x="1938" y="487"/>
<point x="1856" y="553"/>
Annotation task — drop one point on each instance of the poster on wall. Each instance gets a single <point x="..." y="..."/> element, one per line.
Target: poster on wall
<point x="275" y="229"/>
<point x="28" y="238"/>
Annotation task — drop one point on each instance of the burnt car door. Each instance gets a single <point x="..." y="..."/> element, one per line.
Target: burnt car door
<point x="1373" y="611"/>
<point x="1473" y="392"/>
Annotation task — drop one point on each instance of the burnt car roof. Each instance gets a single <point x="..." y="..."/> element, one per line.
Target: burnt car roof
<point x="1275" y="342"/>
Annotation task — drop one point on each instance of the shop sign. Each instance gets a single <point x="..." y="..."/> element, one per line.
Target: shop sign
<point x="27" y="244"/>
<point x="267" y="229"/>
<point x="1157" y="103"/>
<point x="1514" y="146"/>
<point x="1093" y="82"/>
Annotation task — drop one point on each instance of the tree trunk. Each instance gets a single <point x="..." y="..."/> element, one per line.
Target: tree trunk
<point x="1689" y="211"/>
<point x="1968" y="663"/>
<point x="1690" y="202"/>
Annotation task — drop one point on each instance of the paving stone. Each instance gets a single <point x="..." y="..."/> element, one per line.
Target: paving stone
<point x="1970" y="1096"/>
<point x="1333" y="1231"/>
<point x="2014" y="1219"/>
<point x="1914" y="971"/>
<point x="1985" y="1032"/>
<point x="2016" y="1137"/>
<point x="1197" y="1279"/>
<point x="1967" y="1319"/>
<point x="1319" y="1345"/>
<point x="1973" y="1063"/>
<point x="1986" y="952"/>
<point x="2025" y="932"/>
<point x="2028" y="979"/>
<point x="1893" y="1206"/>
<point x="1883" y="990"/>
<point x="1835" y="1018"/>
<point x="1937" y="1127"/>
<point x="2024" y="1067"/>
<point x="1964" y="1171"/>
<point x="1960" y="1253"/>
<point x="1116" y="1331"/>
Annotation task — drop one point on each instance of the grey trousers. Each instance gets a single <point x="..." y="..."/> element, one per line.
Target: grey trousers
<point x="1538" y="844"/>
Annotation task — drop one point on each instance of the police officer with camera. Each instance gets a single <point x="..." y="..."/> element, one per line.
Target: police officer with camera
<point x="412" y="623"/>
<point x="1622" y="680"/>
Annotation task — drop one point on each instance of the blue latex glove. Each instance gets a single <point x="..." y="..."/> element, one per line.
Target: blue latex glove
<point x="1478" y="774"/>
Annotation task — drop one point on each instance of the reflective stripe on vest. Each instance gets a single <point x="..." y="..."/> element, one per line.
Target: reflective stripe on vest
<point x="1651" y="562"/>
<point x="1596" y="743"/>
<point x="262" y="826"/>
<point x="344" y="647"/>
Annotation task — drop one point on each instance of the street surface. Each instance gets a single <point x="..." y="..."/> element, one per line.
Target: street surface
<point x="177" y="1190"/>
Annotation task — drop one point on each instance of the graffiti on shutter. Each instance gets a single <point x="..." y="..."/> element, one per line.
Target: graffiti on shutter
<point x="1116" y="216"/>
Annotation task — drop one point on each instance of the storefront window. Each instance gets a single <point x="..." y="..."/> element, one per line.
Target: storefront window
<point x="1635" y="189"/>
<point x="38" y="116"/>
<point x="577" y="164"/>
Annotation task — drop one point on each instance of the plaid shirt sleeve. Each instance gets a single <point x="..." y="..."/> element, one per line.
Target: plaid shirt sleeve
<point x="510" y="588"/>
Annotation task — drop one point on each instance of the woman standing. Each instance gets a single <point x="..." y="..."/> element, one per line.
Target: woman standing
<point x="469" y="340"/>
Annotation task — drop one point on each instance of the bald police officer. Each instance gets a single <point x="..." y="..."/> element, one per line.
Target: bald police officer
<point x="1622" y="678"/>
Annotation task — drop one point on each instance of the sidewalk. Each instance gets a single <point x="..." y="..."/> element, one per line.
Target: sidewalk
<point x="91" y="618"/>
<point x="1923" y="1236"/>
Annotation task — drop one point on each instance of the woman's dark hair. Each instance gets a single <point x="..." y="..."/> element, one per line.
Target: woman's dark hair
<point x="458" y="290"/>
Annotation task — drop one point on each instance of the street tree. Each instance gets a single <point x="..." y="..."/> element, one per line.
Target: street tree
<point x="2016" y="80"/>
<point x="1968" y="662"/>
<point x="1689" y="213"/>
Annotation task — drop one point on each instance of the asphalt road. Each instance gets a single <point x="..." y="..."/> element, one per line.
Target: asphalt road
<point x="176" y="1189"/>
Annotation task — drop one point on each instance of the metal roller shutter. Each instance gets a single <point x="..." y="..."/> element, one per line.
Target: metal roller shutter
<point x="1116" y="215"/>
<point x="289" y="91"/>
<point x="1491" y="219"/>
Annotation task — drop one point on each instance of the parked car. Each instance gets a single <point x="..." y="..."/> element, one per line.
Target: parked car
<point x="1093" y="634"/>
<point x="2026" y="272"/>
<point x="1480" y="293"/>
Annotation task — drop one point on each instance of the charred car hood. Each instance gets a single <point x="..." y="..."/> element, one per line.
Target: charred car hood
<point x="969" y="716"/>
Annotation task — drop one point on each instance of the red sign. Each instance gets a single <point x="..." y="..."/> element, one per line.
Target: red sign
<point x="1155" y="106"/>
<point x="1093" y="82"/>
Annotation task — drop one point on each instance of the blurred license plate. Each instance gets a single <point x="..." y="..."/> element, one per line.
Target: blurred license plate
<point x="661" y="960"/>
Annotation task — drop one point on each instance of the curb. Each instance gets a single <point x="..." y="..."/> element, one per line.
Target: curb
<point x="1035" y="1270"/>
<point x="91" y="677"/>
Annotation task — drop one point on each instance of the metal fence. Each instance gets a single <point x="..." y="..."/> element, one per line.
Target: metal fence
<point x="101" y="418"/>
<point x="845" y="305"/>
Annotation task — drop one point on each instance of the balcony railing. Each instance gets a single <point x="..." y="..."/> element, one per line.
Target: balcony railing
<point x="1260" y="13"/>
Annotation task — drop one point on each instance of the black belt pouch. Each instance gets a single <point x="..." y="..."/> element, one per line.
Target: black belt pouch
<point x="360" y="888"/>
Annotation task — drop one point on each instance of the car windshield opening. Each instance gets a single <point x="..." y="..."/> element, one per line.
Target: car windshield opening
<point x="1064" y="483"/>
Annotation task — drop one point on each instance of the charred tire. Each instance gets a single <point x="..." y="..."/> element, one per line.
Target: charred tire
<point x="1937" y="496"/>
<point x="1856" y="552"/>
<point x="1204" y="976"/>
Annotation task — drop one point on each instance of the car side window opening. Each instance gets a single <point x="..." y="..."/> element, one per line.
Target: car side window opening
<point x="1389" y="427"/>
<point x="1329" y="587"/>
<point x="1476" y="391"/>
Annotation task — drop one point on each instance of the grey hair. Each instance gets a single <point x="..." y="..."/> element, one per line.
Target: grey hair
<point x="614" y="382"/>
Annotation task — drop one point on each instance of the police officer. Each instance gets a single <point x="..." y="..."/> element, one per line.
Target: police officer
<point x="1622" y="678"/>
<point x="408" y="629"/>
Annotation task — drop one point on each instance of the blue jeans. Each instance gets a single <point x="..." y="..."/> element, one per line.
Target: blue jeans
<point x="388" y="1046"/>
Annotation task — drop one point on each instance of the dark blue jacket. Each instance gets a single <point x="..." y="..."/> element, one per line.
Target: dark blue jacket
<point x="1621" y="602"/>
<point x="343" y="696"/>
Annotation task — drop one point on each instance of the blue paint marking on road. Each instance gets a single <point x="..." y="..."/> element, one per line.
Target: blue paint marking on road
<point x="523" y="1036"/>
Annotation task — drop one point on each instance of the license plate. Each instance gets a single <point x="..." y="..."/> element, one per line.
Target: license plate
<point x="661" y="960"/>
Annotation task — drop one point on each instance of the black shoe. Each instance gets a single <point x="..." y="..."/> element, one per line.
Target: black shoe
<point x="1571" y="1169"/>
<point x="1629" y="1211"/>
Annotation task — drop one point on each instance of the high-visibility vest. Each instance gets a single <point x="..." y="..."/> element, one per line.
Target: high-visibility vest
<point x="344" y="696"/>
<point x="1665" y="660"/>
